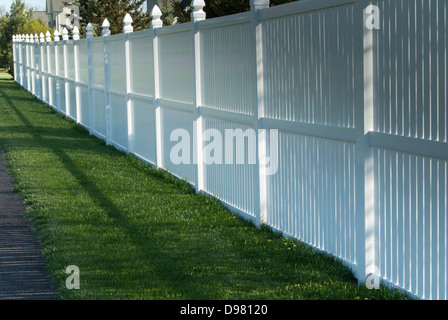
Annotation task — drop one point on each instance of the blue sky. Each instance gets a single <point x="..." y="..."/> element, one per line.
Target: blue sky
<point x="36" y="4"/>
<point x="40" y="4"/>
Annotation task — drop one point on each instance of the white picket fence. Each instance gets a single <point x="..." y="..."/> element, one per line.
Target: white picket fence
<point x="361" y="116"/>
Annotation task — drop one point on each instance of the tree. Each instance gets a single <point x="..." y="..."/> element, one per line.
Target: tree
<point x="168" y="13"/>
<point x="218" y="8"/>
<point x="95" y="11"/>
<point x="36" y="27"/>
<point x="10" y="25"/>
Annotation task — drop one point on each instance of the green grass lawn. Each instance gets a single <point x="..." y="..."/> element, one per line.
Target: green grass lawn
<point x="135" y="232"/>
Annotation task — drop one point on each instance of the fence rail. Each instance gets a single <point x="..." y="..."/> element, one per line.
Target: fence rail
<point x="353" y="118"/>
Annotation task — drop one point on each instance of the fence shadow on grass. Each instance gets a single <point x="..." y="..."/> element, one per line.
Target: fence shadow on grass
<point x="43" y="137"/>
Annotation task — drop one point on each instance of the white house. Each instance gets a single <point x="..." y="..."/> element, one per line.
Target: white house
<point x="57" y="12"/>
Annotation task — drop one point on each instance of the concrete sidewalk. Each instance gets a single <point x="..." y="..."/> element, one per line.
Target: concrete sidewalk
<point x="23" y="273"/>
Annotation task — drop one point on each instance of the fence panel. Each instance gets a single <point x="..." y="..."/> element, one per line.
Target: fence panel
<point x="228" y="175"/>
<point x="69" y="79"/>
<point x="142" y="97"/>
<point x="227" y="68"/>
<point x="99" y="107"/>
<point x="142" y="58"/>
<point x="117" y="92"/>
<point x="82" y="83"/>
<point x="57" y="63"/>
<point x="38" y="68"/>
<point x="175" y="119"/>
<point x="44" y="70"/>
<point x="308" y="64"/>
<point x="410" y="101"/>
<point x="176" y="78"/>
<point x="176" y="63"/>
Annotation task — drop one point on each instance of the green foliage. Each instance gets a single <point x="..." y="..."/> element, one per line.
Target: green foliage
<point x="182" y="14"/>
<point x="11" y="24"/>
<point x="168" y="13"/>
<point x="95" y="11"/>
<point x="219" y="8"/>
<point x="36" y="27"/>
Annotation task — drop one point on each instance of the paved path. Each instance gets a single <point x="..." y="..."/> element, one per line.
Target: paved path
<point x="22" y="270"/>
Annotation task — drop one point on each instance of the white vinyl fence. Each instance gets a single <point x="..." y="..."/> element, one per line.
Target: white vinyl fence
<point x="360" y="113"/>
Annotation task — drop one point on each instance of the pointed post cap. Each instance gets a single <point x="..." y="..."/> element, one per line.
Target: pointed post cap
<point x="75" y="33"/>
<point x="31" y="38"/>
<point x="198" y="13"/>
<point x="197" y="4"/>
<point x="36" y="38"/>
<point x="42" y="37"/>
<point x="56" y="35"/>
<point x="127" y="21"/>
<point x="89" y="29"/>
<point x="156" y="13"/>
<point x="48" y="36"/>
<point x="106" y="25"/>
<point x="64" y="34"/>
<point x="27" y="38"/>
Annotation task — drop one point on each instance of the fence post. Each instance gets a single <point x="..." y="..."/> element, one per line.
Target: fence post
<point x="22" y="58"/>
<point x="106" y="52"/>
<point x="33" y="64"/>
<point x="24" y="65"/>
<point x="68" y="111"/>
<point x="57" y="67"/>
<point x="197" y="15"/>
<point x="76" y="67"/>
<point x="23" y="70"/>
<point x="364" y="166"/>
<point x="127" y="29"/>
<point x="89" y="36"/>
<point x="369" y="174"/>
<point x="50" y="80"/>
<point x="27" y="61"/>
<point x="44" y="83"/>
<point x="31" y="71"/>
<point x="37" y="66"/>
<point x="260" y="178"/>
<point x="156" y="22"/>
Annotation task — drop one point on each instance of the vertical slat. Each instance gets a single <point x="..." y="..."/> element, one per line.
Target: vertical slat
<point x="442" y="71"/>
<point x="407" y="232"/>
<point x="405" y="74"/>
<point x="414" y="227"/>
